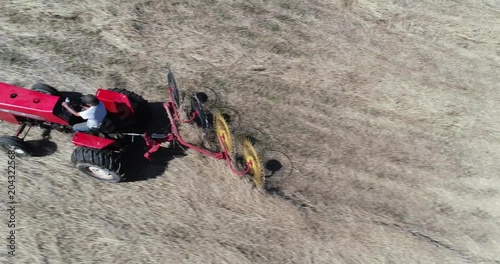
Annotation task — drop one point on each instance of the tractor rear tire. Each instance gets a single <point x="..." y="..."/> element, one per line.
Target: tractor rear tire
<point x="15" y="145"/>
<point x="138" y="103"/>
<point x="134" y="98"/>
<point x="101" y="164"/>
<point x="45" y="88"/>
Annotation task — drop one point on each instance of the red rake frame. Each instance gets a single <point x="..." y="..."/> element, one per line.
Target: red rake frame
<point x="154" y="141"/>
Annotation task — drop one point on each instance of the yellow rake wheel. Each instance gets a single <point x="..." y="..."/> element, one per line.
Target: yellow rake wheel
<point x="223" y="132"/>
<point x="251" y="156"/>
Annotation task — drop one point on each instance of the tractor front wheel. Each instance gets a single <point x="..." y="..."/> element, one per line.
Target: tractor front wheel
<point x="15" y="145"/>
<point x="101" y="164"/>
<point x="45" y="88"/>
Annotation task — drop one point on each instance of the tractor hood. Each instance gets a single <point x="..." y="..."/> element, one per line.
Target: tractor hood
<point x="23" y="103"/>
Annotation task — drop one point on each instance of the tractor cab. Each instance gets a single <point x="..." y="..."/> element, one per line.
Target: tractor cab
<point x="123" y="108"/>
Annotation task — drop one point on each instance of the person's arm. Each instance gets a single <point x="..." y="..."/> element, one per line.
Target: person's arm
<point x="73" y="112"/>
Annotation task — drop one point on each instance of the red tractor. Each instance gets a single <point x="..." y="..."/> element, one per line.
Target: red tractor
<point x="99" y="152"/>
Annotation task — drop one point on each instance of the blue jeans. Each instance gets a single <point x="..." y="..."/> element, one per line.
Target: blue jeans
<point x="81" y="127"/>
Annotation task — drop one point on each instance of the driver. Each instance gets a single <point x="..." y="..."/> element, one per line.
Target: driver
<point x="94" y="112"/>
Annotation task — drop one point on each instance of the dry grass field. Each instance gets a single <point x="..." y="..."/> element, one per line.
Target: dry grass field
<point x="387" y="110"/>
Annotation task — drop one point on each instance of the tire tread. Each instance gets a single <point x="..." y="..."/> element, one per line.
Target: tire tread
<point x="45" y="88"/>
<point x="103" y="158"/>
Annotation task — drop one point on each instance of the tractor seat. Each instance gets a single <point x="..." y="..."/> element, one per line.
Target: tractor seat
<point x="106" y="127"/>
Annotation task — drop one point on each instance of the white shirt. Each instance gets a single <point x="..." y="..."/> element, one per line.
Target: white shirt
<point x="94" y="115"/>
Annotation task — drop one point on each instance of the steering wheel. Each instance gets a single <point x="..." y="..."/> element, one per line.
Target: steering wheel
<point x="74" y="105"/>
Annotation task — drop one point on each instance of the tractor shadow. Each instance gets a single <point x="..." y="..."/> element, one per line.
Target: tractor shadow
<point x="157" y="119"/>
<point x="138" y="167"/>
<point x="41" y="147"/>
<point x="141" y="169"/>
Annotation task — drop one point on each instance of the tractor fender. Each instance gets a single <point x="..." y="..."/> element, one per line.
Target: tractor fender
<point x="91" y="141"/>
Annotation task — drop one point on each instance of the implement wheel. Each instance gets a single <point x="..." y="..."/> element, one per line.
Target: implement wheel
<point x="175" y="90"/>
<point x="250" y="155"/>
<point x="223" y="132"/>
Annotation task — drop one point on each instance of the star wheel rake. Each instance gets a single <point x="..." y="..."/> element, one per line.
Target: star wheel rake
<point x="253" y="161"/>
<point x="223" y="133"/>
<point x="214" y="123"/>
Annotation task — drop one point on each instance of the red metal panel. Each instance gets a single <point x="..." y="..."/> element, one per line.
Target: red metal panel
<point x="23" y="102"/>
<point x="8" y="117"/>
<point x="91" y="141"/>
<point x="116" y="103"/>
